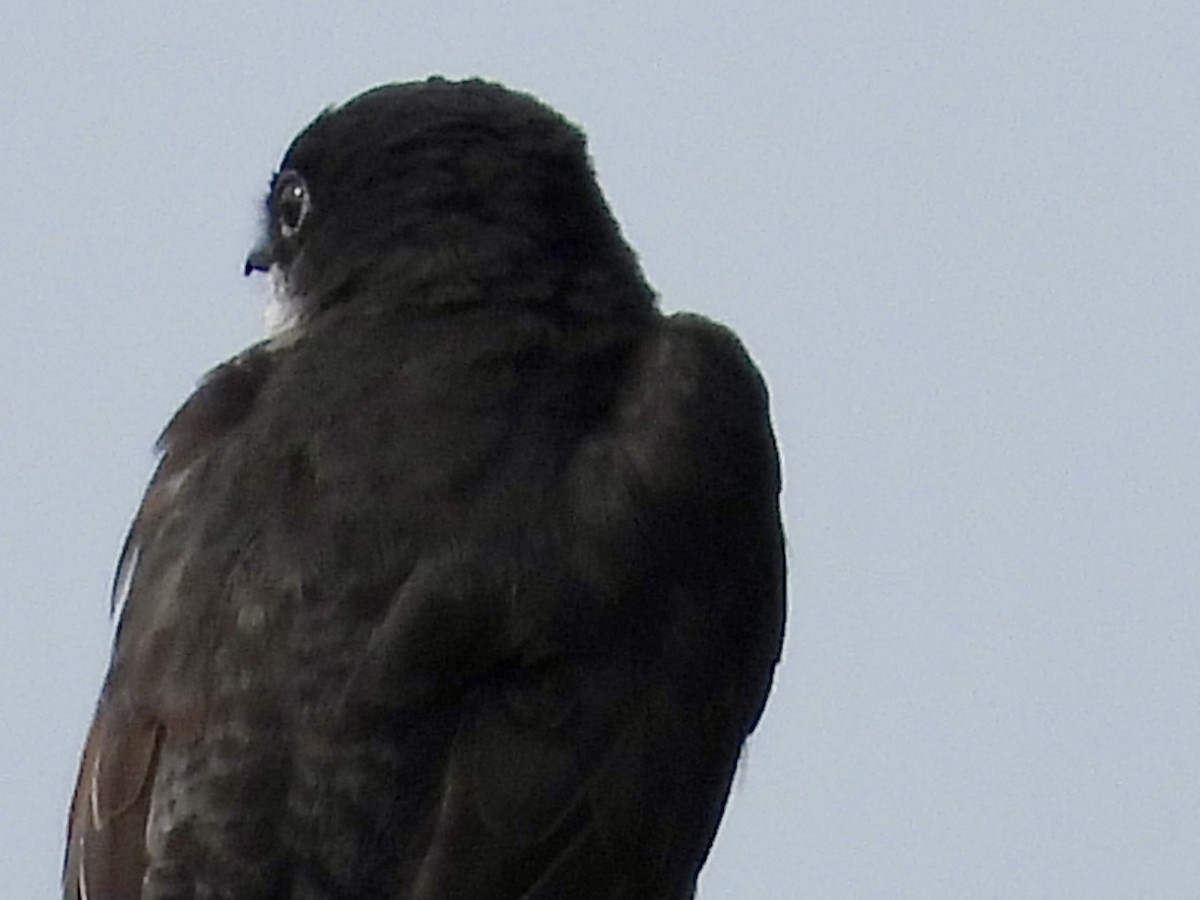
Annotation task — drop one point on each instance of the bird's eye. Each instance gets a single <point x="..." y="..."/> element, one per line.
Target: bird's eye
<point x="292" y="202"/>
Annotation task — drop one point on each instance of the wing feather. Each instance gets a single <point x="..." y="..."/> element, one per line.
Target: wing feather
<point x="106" y="854"/>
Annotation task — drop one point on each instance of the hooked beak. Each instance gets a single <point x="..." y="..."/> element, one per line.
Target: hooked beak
<point x="260" y="258"/>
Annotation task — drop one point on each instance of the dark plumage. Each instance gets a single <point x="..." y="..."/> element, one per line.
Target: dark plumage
<point x="468" y="582"/>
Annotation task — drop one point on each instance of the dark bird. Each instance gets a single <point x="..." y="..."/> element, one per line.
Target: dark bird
<point x="467" y="582"/>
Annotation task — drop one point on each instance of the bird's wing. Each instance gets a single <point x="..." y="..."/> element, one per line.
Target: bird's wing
<point x="602" y="769"/>
<point x="106" y="852"/>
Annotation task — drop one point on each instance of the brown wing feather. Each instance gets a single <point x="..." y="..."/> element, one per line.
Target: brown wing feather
<point x="106" y="856"/>
<point x="106" y="845"/>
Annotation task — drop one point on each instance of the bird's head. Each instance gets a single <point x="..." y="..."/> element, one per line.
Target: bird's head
<point x="431" y="193"/>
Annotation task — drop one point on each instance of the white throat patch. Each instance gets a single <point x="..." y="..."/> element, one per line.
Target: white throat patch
<point x="283" y="311"/>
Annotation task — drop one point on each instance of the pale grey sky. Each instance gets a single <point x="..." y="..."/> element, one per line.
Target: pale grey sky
<point x="963" y="242"/>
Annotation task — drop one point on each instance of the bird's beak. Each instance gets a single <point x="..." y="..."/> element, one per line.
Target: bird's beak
<point x="260" y="258"/>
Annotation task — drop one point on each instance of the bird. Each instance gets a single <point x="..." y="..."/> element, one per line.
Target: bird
<point x="465" y="581"/>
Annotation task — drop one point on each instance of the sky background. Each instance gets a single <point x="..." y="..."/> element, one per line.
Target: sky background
<point x="961" y="239"/>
